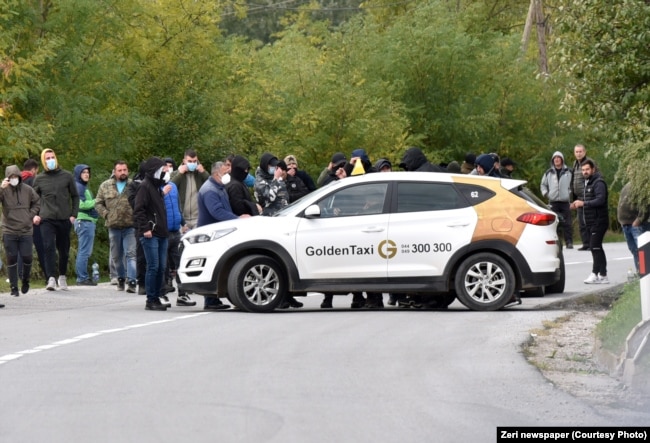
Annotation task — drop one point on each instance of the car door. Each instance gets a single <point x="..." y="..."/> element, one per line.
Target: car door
<point x="430" y="221"/>
<point x="344" y="241"/>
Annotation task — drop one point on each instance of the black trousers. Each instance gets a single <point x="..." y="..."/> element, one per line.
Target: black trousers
<point x="564" y="210"/>
<point x="56" y="239"/>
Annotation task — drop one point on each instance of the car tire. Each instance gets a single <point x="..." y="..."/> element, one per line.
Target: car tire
<point x="485" y="282"/>
<point x="257" y="284"/>
<point x="558" y="286"/>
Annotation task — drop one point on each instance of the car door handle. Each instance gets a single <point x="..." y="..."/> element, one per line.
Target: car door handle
<point x="458" y="224"/>
<point x="372" y="229"/>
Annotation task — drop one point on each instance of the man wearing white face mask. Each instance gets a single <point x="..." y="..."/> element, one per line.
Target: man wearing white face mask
<point x="20" y="203"/>
<point x="189" y="179"/>
<point x="150" y="218"/>
<point x="59" y="207"/>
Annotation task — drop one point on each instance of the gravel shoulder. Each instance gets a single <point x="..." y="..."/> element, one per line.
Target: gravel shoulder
<point x="567" y="354"/>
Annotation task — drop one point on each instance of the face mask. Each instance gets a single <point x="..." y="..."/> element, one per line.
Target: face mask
<point x="51" y="164"/>
<point x="170" y="170"/>
<point x="249" y="181"/>
<point x="166" y="177"/>
<point x="13" y="181"/>
<point x="191" y="166"/>
<point x="225" y="179"/>
<point x="271" y="170"/>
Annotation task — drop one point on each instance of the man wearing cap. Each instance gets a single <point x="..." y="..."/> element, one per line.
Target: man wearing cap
<point x="507" y="167"/>
<point x="328" y="175"/>
<point x="383" y="165"/>
<point x="469" y="163"/>
<point x="485" y="165"/>
<point x="292" y="165"/>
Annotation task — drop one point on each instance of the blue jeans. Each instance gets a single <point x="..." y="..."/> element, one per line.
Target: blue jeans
<point x="632" y="234"/>
<point x="123" y="244"/>
<point x="155" y="252"/>
<point x="85" y="230"/>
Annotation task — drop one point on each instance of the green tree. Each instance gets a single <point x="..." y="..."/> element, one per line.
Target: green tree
<point x="602" y="54"/>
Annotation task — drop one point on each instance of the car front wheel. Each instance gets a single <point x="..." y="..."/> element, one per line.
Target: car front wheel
<point x="256" y="284"/>
<point x="485" y="282"/>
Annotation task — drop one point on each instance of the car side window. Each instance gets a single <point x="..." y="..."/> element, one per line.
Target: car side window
<point x="365" y="199"/>
<point x="419" y="197"/>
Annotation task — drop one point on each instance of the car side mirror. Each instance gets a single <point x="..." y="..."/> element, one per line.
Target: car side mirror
<point x="312" y="211"/>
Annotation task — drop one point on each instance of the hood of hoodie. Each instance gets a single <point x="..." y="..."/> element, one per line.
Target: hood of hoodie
<point x="412" y="159"/>
<point x="557" y="154"/>
<point x="151" y="166"/>
<point x="13" y="170"/>
<point x="265" y="160"/>
<point x="44" y="163"/>
<point x="238" y="168"/>
<point x="78" y="169"/>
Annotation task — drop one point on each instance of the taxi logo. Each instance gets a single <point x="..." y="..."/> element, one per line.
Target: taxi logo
<point x="387" y="249"/>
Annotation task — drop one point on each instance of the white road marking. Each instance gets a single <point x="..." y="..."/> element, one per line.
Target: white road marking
<point x="10" y="357"/>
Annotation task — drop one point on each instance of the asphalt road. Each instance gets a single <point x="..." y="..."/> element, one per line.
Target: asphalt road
<point x="91" y="365"/>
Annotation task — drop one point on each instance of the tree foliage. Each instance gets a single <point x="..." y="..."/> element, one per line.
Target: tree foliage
<point x="602" y="51"/>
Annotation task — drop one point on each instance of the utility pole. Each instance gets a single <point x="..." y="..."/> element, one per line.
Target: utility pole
<point x="536" y="16"/>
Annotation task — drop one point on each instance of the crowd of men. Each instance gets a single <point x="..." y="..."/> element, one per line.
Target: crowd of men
<point x="146" y="215"/>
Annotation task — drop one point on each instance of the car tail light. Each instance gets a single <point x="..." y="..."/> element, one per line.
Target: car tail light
<point x="537" y="218"/>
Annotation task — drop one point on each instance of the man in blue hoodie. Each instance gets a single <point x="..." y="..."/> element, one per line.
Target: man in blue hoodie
<point x="84" y="225"/>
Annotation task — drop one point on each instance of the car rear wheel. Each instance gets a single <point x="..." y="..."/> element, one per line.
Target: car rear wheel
<point x="256" y="284"/>
<point x="485" y="282"/>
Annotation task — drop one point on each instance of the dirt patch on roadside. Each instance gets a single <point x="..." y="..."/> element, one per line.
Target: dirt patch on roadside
<point x="565" y="351"/>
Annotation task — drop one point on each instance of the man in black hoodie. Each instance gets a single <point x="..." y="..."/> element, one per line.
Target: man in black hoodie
<point x="415" y="160"/>
<point x="150" y="219"/>
<point x="241" y="201"/>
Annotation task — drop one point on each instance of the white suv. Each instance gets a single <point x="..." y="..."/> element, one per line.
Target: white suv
<point x="436" y="235"/>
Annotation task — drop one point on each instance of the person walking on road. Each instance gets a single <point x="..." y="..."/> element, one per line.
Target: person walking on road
<point x="20" y="204"/>
<point x="59" y="208"/>
<point x="595" y="211"/>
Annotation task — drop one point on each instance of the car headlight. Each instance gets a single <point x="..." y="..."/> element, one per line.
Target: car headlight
<point x="208" y="236"/>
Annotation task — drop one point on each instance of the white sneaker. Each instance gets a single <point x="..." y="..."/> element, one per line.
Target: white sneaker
<point x="63" y="283"/>
<point x="51" y="284"/>
<point x="603" y="280"/>
<point x="113" y="281"/>
<point x="592" y="279"/>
